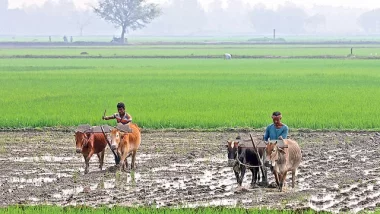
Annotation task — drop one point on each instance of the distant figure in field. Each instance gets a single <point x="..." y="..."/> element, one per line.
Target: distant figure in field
<point x="49" y="38"/>
<point x="227" y="56"/>
<point x="65" y="38"/>
<point x="71" y="39"/>
<point x="122" y="116"/>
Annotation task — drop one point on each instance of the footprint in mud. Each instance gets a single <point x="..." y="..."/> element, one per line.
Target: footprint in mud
<point x="112" y="169"/>
<point x="240" y="190"/>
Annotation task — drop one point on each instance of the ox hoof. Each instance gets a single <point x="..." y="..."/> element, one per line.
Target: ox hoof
<point x="254" y="186"/>
<point x="240" y="189"/>
<point x="272" y="185"/>
<point x="125" y="168"/>
<point x="263" y="184"/>
<point x="283" y="189"/>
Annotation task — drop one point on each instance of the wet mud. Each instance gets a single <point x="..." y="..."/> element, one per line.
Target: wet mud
<point x="339" y="172"/>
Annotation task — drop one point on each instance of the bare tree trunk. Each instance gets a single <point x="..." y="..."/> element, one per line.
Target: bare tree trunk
<point x="122" y="37"/>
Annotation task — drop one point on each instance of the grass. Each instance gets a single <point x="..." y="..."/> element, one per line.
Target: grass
<point x="191" y="93"/>
<point x="198" y="50"/>
<point x="116" y="210"/>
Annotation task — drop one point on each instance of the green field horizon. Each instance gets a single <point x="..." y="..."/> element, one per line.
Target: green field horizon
<point x="195" y="50"/>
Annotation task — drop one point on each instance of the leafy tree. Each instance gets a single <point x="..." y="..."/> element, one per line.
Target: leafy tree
<point x="370" y="21"/>
<point x="82" y="19"/>
<point x="314" y="22"/>
<point x="127" y="14"/>
<point x="287" y="18"/>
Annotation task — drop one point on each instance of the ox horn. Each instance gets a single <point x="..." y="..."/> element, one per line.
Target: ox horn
<point x="281" y="150"/>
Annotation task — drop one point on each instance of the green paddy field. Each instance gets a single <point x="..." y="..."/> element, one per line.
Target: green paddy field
<point x="322" y="88"/>
<point x="363" y="50"/>
<point x="191" y="93"/>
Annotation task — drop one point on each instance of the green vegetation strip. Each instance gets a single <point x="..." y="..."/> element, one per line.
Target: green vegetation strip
<point x="122" y="210"/>
<point x="191" y="51"/>
<point x="191" y="93"/>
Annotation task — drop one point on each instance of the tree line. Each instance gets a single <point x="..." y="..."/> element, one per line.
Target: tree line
<point x="184" y="17"/>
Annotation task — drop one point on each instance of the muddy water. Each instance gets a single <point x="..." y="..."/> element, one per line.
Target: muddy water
<point x="339" y="172"/>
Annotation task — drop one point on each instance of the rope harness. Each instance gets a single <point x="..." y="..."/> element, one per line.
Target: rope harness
<point x="240" y="163"/>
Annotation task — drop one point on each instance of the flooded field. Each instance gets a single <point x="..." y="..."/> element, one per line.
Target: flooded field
<point x="339" y="172"/>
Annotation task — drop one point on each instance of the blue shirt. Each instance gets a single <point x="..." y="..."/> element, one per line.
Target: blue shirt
<point x="273" y="133"/>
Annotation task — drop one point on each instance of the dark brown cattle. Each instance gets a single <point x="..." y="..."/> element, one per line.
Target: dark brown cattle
<point x="283" y="160"/>
<point x="126" y="144"/>
<point x="89" y="144"/>
<point x="241" y="157"/>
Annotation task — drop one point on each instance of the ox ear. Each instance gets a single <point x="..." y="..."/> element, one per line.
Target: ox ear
<point x="228" y="143"/>
<point x="236" y="144"/>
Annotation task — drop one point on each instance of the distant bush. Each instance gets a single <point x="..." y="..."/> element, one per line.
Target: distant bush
<point x="266" y="39"/>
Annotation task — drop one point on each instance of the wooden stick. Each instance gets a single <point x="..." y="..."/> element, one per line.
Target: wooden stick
<point x="257" y="155"/>
<point x="254" y="147"/>
<point x="117" y="158"/>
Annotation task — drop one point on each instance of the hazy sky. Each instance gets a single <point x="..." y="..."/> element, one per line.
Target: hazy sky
<point x="367" y="4"/>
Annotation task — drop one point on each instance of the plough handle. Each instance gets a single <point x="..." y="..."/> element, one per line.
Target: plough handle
<point x="257" y="154"/>
<point x="117" y="158"/>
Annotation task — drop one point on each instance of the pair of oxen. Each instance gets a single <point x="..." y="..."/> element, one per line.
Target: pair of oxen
<point x="281" y="159"/>
<point x="94" y="140"/>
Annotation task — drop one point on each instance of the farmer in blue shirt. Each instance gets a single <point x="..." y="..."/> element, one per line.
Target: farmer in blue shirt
<point x="277" y="130"/>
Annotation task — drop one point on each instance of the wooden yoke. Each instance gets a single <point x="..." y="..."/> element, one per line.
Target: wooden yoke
<point x="84" y="128"/>
<point x="124" y="128"/>
<point x="280" y="143"/>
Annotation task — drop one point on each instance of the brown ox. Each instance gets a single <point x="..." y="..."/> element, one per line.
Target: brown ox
<point x="283" y="160"/>
<point x="89" y="144"/>
<point x="126" y="144"/>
